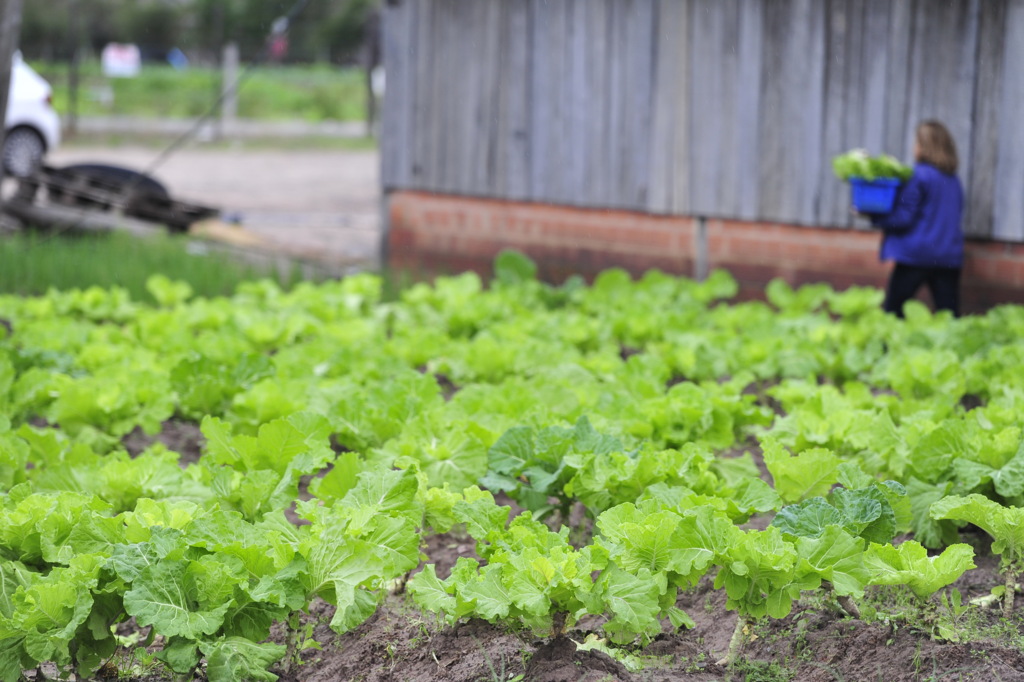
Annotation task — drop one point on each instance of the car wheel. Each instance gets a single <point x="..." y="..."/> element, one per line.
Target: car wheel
<point x="23" y="152"/>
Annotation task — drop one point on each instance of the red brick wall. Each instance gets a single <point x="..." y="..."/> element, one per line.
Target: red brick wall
<point x="443" y="233"/>
<point x="757" y="252"/>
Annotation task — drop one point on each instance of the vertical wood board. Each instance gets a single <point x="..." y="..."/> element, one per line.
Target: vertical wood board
<point x="727" y="108"/>
<point x="835" y="195"/>
<point x="1008" y="204"/>
<point x="748" y="109"/>
<point x="984" y="143"/>
<point x="790" y="163"/>
<point x="399" y="54"/>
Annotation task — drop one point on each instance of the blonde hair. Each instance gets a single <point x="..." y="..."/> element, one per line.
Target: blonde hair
<point x="935" y="146"/>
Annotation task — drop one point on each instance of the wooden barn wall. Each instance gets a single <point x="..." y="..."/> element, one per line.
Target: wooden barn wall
<point x="723" y="108"/>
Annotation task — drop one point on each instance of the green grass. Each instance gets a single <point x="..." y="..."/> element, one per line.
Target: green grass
<point x="32" y="263"/>
<point x="309" y="93"/>
<point x="763" y="671"/>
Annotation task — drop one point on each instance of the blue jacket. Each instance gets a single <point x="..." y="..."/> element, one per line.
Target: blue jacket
<point x="923" y="228"/>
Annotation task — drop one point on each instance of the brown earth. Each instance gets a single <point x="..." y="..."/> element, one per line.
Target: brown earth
<point x="329" y="201"/>
<point x="815" y="643"/>
<point x="179" y="436"/>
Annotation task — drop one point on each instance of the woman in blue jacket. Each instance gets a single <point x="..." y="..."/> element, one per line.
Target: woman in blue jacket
<point x="922" y="233"/>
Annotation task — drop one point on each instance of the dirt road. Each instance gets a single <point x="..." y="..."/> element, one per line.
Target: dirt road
<point x="325" y="203"/>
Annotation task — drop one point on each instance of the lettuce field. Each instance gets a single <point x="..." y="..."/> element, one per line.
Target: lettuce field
<point x="628" y="480"/>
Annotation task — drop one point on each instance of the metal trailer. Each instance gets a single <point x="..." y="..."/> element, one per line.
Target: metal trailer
<point x="79" y="195"/>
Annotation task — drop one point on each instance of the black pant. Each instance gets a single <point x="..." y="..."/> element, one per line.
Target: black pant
<point x="905" y="280"/>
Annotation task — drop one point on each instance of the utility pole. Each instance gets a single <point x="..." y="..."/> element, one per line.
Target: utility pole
<point x="75" y="25"/>
<point x="229" y="90"/>
<point x="10" y="29"/>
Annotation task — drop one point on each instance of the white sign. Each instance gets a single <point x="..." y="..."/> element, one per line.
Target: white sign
<point x="121" y="61"/>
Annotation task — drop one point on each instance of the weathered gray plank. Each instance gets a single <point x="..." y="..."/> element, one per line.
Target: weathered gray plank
<point x="539" y="130"/>
<point x="596" y="130"/>
<point x="465" y="81"/>
<point x="957" y="70"/>
<point x="874" y="69"/>
<point x="900" y="48"/>
<point x="398" y="54"/>
<point x="485" y="36"/>
<point x="963" y="73"/>
<point x="435" y="111"/>
<point x="852" y="113"/>
<point x="681" y="171"/>
<point x="488" y="112"/>
<point x="945" y="53"/>
<point x="917" y="107"/>
<point x="730" y="155"/>
<point x="855" y="95"/>
<point x="424" y="103"/>
<point x="452" y="123"/>
<point x="790" y="163"/>
<point x="984" y="144"/>
<point x="546" y="76"/>
<point x="1008" y="206"/>
<point x="810" y="59"/>
<point x="834" y="199"/>
<point x="511" y="137"/>
<point x="713" y="67"/>
<point x="772" y="164"/>
<point x="729" y="108"/>
<point x="445" y="122"/>
<point x="725" y="87"/>
<point x="748" y="109"/>
<point x="576" y="103"/>
<point x="617" y="93"/>
<point x="639" y="61"/>
<point x="557" y="30"/>
<point x="663" y="103"/>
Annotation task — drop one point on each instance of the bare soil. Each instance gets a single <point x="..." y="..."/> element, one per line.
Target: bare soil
<point x="179" y="436"/>
<point x="815" y="643"/>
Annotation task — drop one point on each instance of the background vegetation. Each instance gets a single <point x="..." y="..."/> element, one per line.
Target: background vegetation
<point x="315" y="92"/>
<point x="33" y="263"/>
<point x="325" y="31"/>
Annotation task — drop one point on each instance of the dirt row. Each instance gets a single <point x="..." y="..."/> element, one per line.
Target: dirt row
<point x="816" y="643"/>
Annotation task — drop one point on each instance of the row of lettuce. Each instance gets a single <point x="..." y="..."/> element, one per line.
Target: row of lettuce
<point x="631" y="399"/>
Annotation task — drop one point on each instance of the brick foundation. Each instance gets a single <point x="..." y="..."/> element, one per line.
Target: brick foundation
<point x="443" y="233"/>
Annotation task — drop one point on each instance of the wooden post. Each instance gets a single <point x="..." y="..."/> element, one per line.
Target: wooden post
<point x="700" y="249"/>
<point x="75" y="26"/>
<point x="229" y="90"/>
<point x="10" y="28"/>
<point x="373" y="69"/>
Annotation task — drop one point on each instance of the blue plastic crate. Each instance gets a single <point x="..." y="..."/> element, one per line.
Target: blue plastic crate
<point x="874" y="196"/>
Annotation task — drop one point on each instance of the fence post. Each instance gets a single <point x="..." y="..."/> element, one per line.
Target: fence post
<point x="229" y="90"/>
<point x="75" y="28"/>
<point x="700" y="249"/>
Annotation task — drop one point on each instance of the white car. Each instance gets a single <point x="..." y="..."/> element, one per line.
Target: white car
<point x="33" y="126"/>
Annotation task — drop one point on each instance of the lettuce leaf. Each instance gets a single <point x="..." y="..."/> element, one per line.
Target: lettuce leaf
<point x="857" y="163"/>
<point x="1005" y="525"/>
<point x="238" y="658"/>
<point x="909" y="564"/>
<point x="182" y="598"/>
<point x="797" y="477"/>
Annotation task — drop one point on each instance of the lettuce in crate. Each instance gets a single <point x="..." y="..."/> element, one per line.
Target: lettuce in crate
<point x="857" y="163"/>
